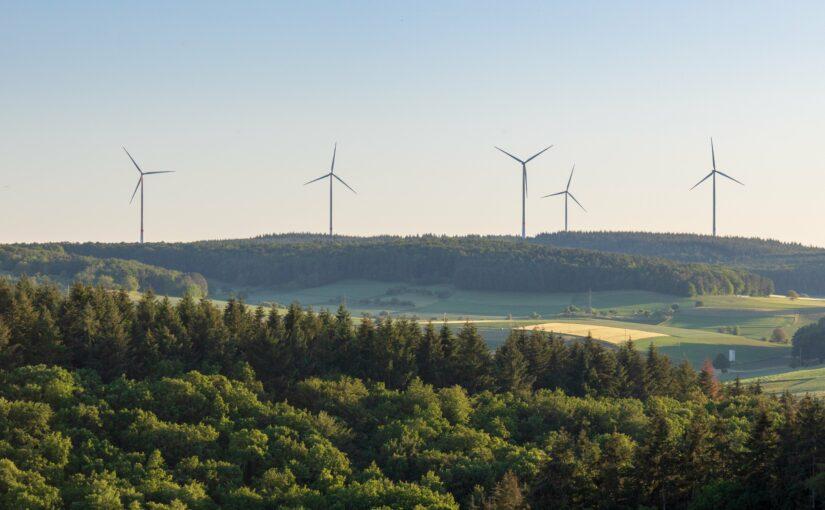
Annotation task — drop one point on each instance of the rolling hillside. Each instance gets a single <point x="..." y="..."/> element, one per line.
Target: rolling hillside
<point x="469" y="263"/>
<point x="789" y="265"/>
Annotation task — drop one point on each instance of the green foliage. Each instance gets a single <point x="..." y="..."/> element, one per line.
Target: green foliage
<point x="59" y="263"/>
<point x="475" y="263"/>
<point x="243" y="409"/>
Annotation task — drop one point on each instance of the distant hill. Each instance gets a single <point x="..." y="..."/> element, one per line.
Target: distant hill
<point x="471" y="262"/>
<point x="789" y="265"/>
<point x="56" y="264"/>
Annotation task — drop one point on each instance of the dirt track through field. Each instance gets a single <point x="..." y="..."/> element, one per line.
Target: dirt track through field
<point x="605" y="333"/>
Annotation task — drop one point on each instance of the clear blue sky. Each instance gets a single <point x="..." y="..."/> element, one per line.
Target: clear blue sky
<point x="244" y="101"/>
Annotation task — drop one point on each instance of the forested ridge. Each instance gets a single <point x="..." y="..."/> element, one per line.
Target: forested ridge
<point x="478" y="263"/>
<point x="791" y="266"/>
<point x="110" y="403"/>
<point x="54" y="262"/>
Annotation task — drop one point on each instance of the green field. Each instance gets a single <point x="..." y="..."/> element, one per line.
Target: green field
<point x="454" y="302"/>
<point x="803" y="380"/>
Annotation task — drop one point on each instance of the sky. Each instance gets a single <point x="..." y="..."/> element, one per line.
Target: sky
<point x="244" y="101"/>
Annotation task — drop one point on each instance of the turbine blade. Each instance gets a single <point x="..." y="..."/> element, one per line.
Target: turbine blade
<point x="332" y="166"/>
<point x="318" y="179"/>
<point x="539" y="153"/>
<point x="703" y="180"/>
<point x="712" y="153"/>
<point x="574" y="200"/>
<point x="723" y="174"/>
<point x="136" y="188"/>
<point x="345" y="184"/>
<point x="133" y="159"/>
<point x="505" y="152"/>
<point x="554" y="194"/>
<point x="160" y="172"/>
<point x="571" y="176"/>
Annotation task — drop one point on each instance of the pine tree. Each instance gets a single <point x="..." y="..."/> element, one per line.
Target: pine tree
<point x="507" y="494"/>
<point x="449" y="347"/>
<point x="512" y="369"/>
<point x="658" y="372"/>
<point x="344" y="334"/>
<point x="45" y="345"/>
<point x="275" y="324"/>
<point x="659" y="471"/>
<point x="553" y="368"/>
<point x="736" y="388"/>
<point x="761" y="456"/>
<point x="430" y="356"/>
<point x="472" y="359"/>
<point x="8" y="351"/>
<point x="684" y="381"/>
<point x="109" y="350"/>
<point x="635" y="368"/>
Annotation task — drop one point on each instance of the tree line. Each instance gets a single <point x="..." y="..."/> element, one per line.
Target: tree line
<point x="110" y="403"/>
<point x="497" y="264"/>
<point x="53" y="262"/>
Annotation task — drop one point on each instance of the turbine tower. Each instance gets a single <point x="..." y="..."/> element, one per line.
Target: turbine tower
<point x="331" y="175"/>
<point x="713" y="173"/>
<point x="567" y="195"/>
<point x="524" y="186"/>
<point x="140" y="185"/>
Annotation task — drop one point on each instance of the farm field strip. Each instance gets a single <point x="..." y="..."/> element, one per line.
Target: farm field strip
<point x="605" y="333"/>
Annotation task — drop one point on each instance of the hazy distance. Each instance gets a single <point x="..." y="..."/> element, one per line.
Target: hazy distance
<point x="244" y="101"/>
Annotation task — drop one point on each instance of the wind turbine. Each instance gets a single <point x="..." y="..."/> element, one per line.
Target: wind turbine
<point x="140" y="185"/>
<point x="713" y="173"/>
<point x="331" y="175"/>
<point x="524" y="185"/>
<point x="567" y="195"/>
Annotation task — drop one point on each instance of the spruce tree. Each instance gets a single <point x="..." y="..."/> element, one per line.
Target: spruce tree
<point x="512" y="369"/>
<point x="472" y="359"/>
<point x="507" y="494"/>
<point x="430" y="356"/>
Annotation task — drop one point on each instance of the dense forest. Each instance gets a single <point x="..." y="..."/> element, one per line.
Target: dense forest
<point x="467" y="262"/>
<point x="55" y="263"/>
<point x="110" y="403"/>
<point x="791" y="266"/>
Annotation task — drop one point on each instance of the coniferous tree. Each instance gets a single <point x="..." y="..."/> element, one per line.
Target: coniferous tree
<point x="472" y="359"/>
<point x="552" y="372"/>
<point x="630" y="359"/>
<point x="45" y="345"/>
<point x="657" y="372"/>
<point x="511" y="367"/>
<point x="8" y="351"/>
<point x="430" y="356"/>
<point x="708" y="381"/>
<point x="760" y="460"/>
<point x="507" y="494"/>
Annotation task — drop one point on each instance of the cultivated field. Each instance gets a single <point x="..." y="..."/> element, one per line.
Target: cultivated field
<point x="604" y="333"/>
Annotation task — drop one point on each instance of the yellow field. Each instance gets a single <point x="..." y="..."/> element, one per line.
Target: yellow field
<point x="604" y="333"/>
